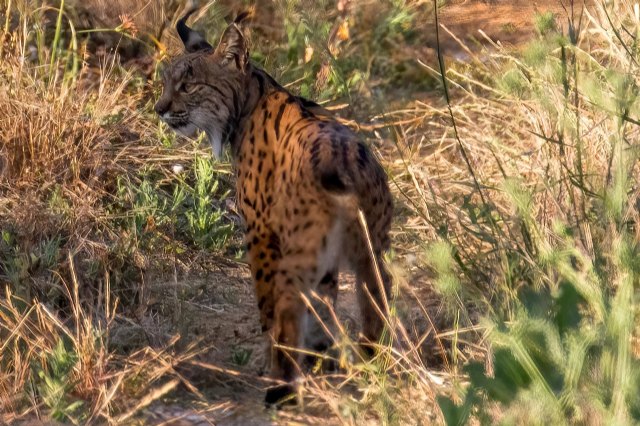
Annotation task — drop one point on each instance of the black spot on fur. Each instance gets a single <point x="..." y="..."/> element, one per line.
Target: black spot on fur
<point x="274" y="243"/>
<point x="261" y="302"/>
<point x="246" y="201"/>
<point x="278" y="118"/>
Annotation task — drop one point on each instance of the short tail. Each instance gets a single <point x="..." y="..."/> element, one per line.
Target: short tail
<point x="336" y="182"/>
<point x="332" y="170"/>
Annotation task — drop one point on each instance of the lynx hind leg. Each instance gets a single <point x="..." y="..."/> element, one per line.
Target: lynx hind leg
<point x="372" y="298"/>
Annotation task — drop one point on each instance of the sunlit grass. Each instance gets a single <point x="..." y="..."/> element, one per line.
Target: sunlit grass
<point x="515" y="240"/>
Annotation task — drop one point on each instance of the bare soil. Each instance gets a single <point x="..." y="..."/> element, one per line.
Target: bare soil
<point x="507" y="22"/>
<point x="218" y="311"/>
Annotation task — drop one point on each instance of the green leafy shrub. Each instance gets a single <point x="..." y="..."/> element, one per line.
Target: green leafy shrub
<point x="561" y="326"/>
<point x="203" y="222"/>
<point x="187" y="207"/>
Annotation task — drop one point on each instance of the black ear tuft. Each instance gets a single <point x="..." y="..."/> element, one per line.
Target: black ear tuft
<point x="192" y="40"/>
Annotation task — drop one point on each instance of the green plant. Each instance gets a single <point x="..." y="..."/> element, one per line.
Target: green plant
<point x="564" y="280"/>
<point x="557" y="362"/>
<point x="204" y="223"/>
<point x="55" y="383"/>
<point x="12" y="267"/>
<point x="545" y="23"/>
<point x="19" y="265"/>
<point x="241" y="356"/>
<point x="186" y="208"/>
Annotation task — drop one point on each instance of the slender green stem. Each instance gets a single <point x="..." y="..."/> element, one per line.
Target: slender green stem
<point x="56" y="37"/>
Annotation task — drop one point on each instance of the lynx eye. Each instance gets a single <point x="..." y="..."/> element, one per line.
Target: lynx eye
<point x="188" y="88"/>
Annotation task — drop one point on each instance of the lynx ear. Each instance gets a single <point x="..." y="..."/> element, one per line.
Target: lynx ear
<point x="233" y="45"/>
<point x="192" y="40"/>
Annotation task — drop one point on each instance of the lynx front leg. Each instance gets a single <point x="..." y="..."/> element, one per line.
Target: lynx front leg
<point x="264" y="254"/>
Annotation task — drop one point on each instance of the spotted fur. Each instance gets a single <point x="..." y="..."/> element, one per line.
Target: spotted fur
<point x="301" y="178"/>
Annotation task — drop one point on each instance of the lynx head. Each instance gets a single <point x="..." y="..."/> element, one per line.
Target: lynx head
<point x="202" y="87"/>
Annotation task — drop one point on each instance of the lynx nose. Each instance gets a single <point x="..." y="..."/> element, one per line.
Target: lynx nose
<point x="162" y="106"/>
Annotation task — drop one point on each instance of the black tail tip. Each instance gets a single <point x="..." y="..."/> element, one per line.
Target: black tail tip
<point x="332" y="182"/>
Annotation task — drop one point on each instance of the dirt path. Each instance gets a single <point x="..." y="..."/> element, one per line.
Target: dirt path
<point x="508" y="22"/>
<point x="218" y="310"/>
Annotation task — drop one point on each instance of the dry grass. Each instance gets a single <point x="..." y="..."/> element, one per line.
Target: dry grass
<point x="75" y="126"/>
<point x="70" y="131"/>
<point x="78" y="379"/>
<point x="538" y="141"/>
